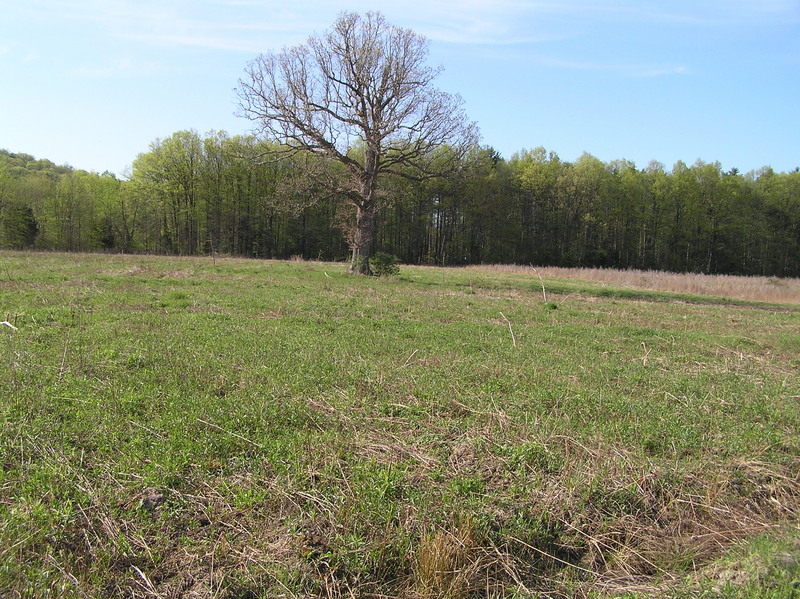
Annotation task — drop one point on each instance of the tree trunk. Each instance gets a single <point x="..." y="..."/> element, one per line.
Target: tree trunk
<point x="364" y="227"/>
<point x="361" y="240"/>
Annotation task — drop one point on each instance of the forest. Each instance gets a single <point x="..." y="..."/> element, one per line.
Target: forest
<point x="193" y="194"/>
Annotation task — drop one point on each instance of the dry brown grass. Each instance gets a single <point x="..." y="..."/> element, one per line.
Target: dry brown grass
<point x="444" y="560"/>
<point x="761" y="289"/>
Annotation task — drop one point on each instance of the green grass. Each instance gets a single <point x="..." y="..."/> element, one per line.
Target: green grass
<point x="177" y="427"/>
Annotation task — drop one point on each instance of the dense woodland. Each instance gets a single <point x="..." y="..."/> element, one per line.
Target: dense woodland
<point x="193" y="195"/>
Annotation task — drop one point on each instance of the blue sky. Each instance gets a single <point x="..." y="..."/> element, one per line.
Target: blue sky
<point x="92" y="83"/>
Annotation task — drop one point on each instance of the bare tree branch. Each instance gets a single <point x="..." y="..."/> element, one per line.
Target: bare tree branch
<point x="363" y="85"/>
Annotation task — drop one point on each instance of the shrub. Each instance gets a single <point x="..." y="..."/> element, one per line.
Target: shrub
<point x="384" y="264"/>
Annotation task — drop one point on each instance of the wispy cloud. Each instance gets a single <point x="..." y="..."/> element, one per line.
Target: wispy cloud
<point x="661" y="72"/>
<point x="486" y="22"/>
<point x="257" y="25"/>
<point x="712" y="12"/>
<point x="767" y="8"/>
<point x="618" y="68"/>
<point x="246" y="38"/>
<point x="219" y="25"/>
<point x="247" y="25"/>
<point x="123" y="68"/>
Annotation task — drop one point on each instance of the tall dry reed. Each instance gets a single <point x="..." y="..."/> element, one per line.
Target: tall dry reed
<point x="762" y="289"/>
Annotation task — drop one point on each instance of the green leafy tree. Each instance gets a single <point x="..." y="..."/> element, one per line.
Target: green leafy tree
<point x="535" y="174"/>
<point x="779" y="195"/>
<point x="582" y="188"/>
<point x="170" y="173"/>
<point x="653" y="229"/>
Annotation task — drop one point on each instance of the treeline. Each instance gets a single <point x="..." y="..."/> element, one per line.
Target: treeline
<point x="192" y="194"/>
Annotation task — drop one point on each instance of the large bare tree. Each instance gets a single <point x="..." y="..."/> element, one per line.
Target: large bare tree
<point x="361" y="95"/>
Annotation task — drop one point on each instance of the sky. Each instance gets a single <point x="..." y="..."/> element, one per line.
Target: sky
<point x="93" y="83"/>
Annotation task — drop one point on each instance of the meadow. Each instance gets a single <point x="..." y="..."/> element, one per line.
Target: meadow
<point x="236" y="429"/>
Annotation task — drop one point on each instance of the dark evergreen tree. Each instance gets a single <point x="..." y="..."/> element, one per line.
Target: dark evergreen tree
<point x="19" y="226"/>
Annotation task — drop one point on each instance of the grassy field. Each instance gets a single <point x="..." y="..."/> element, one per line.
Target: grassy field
<point x="234" y="429"/>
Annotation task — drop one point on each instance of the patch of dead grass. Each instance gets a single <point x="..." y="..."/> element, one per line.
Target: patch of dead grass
<point x="760" y="289"/>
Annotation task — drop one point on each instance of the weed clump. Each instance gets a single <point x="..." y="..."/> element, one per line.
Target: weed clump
<point x="383" y="264"/>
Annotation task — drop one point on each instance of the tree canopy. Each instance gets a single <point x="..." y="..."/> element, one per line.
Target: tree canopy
<point x="197" y="194"/>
